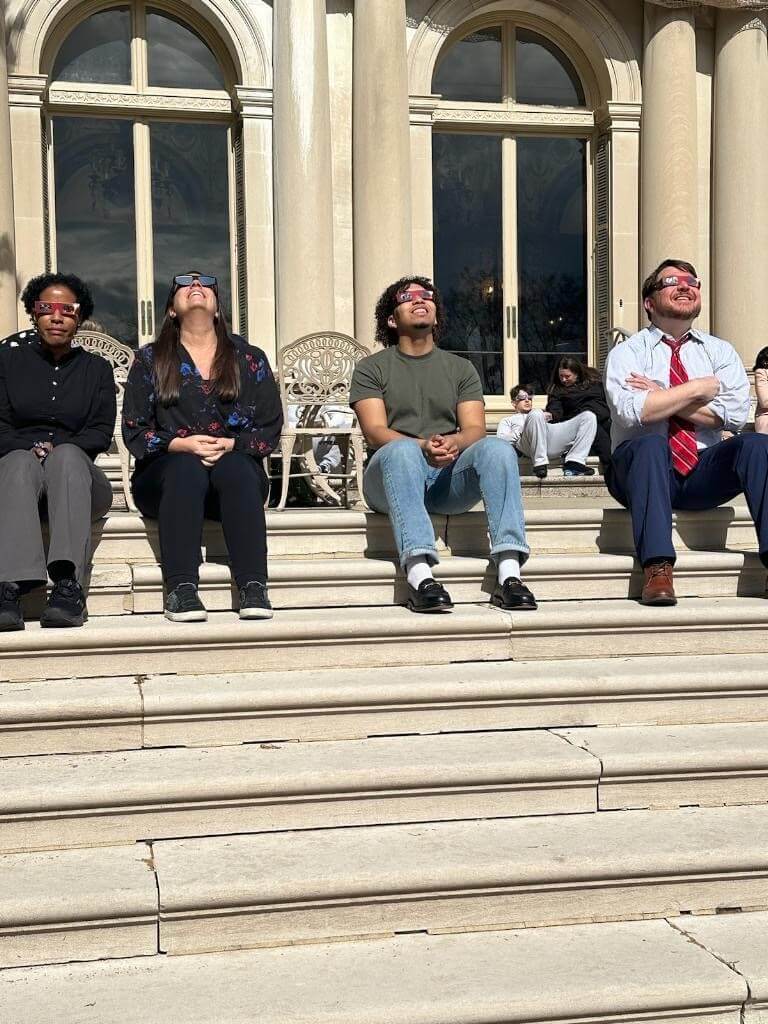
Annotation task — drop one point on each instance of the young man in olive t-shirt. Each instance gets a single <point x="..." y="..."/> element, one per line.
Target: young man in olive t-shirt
<point x="421" y="409"/>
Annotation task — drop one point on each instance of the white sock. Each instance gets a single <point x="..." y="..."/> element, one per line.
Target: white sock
<point x="509" y="566"/>
<point x="417" y="570"/>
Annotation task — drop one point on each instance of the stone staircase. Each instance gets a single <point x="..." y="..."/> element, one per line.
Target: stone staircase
<point x="354" y="814"/>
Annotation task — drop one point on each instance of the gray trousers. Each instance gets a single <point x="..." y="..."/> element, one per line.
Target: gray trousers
<point x="77" y="493"/>
<point x="542" y="441"/>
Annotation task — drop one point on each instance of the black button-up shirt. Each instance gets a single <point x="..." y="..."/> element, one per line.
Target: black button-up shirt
<point x="71" y="401"/>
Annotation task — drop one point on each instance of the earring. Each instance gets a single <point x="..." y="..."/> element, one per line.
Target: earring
<point x="215" y="318"/>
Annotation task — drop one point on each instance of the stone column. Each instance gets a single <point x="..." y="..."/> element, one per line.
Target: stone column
<point x="7" y="232"/>
<point x="668" y="143"/>
<point x="302" y="162"/>
<point x="740" y="181"/>
<point x="381" y="156"/>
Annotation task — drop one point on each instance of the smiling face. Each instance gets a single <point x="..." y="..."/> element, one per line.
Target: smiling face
<point x="681" y="301"/>
<point x="57" y="329"/>
<point x="195" y="297"/>
<point x="567" y="377"/>
<point x="415" y="313"/>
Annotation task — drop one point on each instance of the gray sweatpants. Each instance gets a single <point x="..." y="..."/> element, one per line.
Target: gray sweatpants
<point x="542" y="441"/>
<point x="77" y="493"/>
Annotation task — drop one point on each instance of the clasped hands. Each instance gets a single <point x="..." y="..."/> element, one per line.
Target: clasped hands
<point x="440" y="451"/>
<point x="208" y="449"/>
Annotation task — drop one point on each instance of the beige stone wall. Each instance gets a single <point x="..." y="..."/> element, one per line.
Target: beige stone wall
<point x="610" y="38"/>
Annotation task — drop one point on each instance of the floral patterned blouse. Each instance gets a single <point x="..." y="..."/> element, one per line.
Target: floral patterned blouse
<point x="254" y="419"/>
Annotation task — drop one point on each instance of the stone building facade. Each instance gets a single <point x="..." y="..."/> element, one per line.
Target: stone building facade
<point x="536" y="156"/>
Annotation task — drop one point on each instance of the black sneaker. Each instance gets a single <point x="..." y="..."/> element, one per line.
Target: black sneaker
<point x="577" y="469"/>
<point x="254" y="601"/>
<point x="10" y="608"/>
<point x="184" y="605"/>
<point x="540" y="471"/>
<point x="430" y="597"/>
<point x="513" y="596"/>
<point x="66" y="605"/>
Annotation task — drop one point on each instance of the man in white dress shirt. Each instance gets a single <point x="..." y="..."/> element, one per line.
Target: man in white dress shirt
<point x="672" y="391"/>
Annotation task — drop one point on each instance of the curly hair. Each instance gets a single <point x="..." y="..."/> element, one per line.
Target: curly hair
<point x="79" y="288"/>
<point x="385" y="307"/>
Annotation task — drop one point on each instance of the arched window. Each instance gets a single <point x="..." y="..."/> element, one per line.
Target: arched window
<point x="140" y="137"/>
<point x="511" y="151"/>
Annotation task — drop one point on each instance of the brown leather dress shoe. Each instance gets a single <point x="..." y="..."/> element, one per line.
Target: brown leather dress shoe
<point x="658" y="587"/>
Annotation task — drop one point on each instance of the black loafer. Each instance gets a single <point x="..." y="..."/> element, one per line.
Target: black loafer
<point x="430" y="597"/>
<point x="513" y="596"/>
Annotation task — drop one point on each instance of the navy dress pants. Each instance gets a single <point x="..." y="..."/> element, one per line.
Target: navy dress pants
<point x="641" y="477"/>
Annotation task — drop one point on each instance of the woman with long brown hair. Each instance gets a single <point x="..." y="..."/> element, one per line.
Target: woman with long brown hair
<point x="576" y="388"/>
<point x="201" y="412"/>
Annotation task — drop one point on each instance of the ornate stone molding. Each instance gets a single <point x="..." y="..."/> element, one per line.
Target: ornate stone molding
<point x="422" y="109"/>
<point x="516" y="118"/>
<point x="26" y="90"/>
<point x="253" y="103"/>
<point x="622" y="116"/>
<point x="139" y="101"/>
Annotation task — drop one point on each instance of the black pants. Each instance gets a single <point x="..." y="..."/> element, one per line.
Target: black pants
<point x="180" y="492"/>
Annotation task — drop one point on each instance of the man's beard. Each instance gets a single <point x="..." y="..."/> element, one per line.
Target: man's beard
<point x="680" y="314"/>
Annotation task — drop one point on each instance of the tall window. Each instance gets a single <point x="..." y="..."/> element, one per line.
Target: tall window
<point x="139" y="124"/>
<point x="510" y="165"/>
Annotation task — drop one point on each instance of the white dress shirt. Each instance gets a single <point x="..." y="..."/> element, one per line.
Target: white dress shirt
<point x="703" y="355"/>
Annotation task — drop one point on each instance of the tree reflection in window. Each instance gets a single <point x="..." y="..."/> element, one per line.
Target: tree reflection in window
<point x="471" y="68"/>
<point x="99" y="50"/>
<point x="178" y="58"/>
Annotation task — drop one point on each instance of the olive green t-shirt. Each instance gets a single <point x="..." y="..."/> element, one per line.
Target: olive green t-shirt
<point x="420" y="393"/>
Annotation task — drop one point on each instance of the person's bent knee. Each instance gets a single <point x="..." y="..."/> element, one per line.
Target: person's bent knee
<point x="19" y="464"/>
<point x="67" y="458"/>
<point x="184" y="469"/>
<point x="401" y="451"/>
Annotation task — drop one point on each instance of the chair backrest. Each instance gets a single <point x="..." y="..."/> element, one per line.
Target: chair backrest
<point x="317" y="369"/>
<point x="118" y="355"/>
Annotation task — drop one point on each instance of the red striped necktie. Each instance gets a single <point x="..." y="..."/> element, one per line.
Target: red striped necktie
<point x="682" y="433"/>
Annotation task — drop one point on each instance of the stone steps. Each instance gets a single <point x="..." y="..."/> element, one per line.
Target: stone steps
<point x="316" y="638"/>
<point x="59" y="801"/>
<point x="553" y="525"/>
<point x="609" y="972"/>
<point x="56" y="801"/>
<point x="247" y="891"/>
<point x="134" y="711"/>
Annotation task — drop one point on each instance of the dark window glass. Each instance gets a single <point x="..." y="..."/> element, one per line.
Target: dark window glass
<point x="468" y="249"/>
<point x="178" y="57"/>
<point x="190" y="206"/>
<point x="552" y="255"/>
<point x="471" y="69"/>
<point x="98" y="50"/>
<point x="95" y="219"/>
<point x="543" y="74"/>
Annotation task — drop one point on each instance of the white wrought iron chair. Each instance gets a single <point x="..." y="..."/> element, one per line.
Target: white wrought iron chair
<point x="120" y="358"/>
<point x="316" y="372"/>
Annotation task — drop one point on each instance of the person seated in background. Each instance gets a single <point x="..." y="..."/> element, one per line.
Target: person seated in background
<point x="421" y="411"/>
<point x="672" y="390"/>
<point x="533" y="433"/>
<point x="201" y="412"/>
<point x="57" y="413"/>
<point x="761" y="390"/>
<point x="576" y="388"/>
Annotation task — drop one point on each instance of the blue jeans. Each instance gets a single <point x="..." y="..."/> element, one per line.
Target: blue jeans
<point x="398" y="480"/>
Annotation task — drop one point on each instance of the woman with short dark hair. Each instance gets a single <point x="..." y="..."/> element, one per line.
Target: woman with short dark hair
<point x="201" y="412"/>
<point x="577" y="388"/>
<point x="57" y="413"/>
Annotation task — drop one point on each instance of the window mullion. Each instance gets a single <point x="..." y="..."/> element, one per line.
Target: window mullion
<point x="510" y="260"/>
<point x="508" y="51"/>
<point x="144" y="249"/>
<point x="139" y="50"/>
